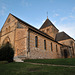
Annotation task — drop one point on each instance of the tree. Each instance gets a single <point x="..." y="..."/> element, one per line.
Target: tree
<point x="6" y="53"/>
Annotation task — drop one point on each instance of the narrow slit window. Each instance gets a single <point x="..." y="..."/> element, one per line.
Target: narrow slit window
<point x="45" y="44"/>
<point x="6" y="30"/>
<point x="51" y="47"/>
<point x="36" y="41"/>
<point x="56" y="49"/>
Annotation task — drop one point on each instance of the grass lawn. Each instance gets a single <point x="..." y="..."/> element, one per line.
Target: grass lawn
<point x="66" y="61"/>
<point x="30" y="69"/>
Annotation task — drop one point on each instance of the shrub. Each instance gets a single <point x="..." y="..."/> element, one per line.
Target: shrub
<point x="3" y="62"/>
<point x="6" y="53"/>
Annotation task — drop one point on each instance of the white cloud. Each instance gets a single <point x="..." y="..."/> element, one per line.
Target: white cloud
<point x="68" y="28"/>
<point x="55" y="15"/>
<point x="25" y="3"/>
<point x="73" y="17"/>
<point x="73" y="9"/>
<point x="63" y="18"/>
<point x="43" y="21"/>
<point x="3" y="10"/>
<point x="54" y="22"/>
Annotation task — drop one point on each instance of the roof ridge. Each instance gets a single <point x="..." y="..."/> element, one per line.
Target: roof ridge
<point x="65" y="33"/>
<point x="31" y="26"/>
<point x="62" y="34"/>
<point x="47" y="23"/>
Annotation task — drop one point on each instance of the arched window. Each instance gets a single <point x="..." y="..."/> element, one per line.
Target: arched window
<point x="47" y="30"/>
<point x="9" y="28"/>
<point x="8" y="20"/>
<point x="56" y="49"/>
<point x="6" y="30"/>
<point x="36" y="41"/>
<point x="45" y="44"/>
<point x="51" y="47"/>
<point x="7" y="39"/>
<point x="42" y="30"/>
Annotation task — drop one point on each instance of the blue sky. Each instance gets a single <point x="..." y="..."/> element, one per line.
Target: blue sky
<point x="34" y="12"/>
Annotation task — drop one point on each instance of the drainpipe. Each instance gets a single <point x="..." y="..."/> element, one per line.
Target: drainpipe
<point x="70" y="52"/>
<point x="28" y="42"/>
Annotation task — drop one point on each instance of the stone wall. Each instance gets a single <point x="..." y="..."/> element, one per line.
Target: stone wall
<point x="69" y="42"/>
<point x="50" y="30"/>
<point x="40" y="52"/>
<point x="8" y="30"/>
<point x="21" y="42"/>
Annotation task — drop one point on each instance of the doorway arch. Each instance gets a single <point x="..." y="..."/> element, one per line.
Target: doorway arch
<point x="65" y="53"/>
<point x="6" y="40"/>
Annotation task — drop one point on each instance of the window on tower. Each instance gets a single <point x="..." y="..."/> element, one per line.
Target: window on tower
<point x="47" y="30"/>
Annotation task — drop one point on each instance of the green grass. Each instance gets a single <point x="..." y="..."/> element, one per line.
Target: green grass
<point x="3" y="62"/>
<point x="67" y="61"/>
<point x="30" y="69"/>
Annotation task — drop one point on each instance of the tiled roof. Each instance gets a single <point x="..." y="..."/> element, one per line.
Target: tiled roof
<point x="47" y="23"/>
<point x="62" y="36"/>
<point x="36" y="30"/>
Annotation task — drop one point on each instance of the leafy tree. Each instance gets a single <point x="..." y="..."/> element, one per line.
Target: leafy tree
<point x="6" y="53"/>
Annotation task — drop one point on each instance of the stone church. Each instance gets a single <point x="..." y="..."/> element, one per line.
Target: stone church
<point x="30" y="42"/>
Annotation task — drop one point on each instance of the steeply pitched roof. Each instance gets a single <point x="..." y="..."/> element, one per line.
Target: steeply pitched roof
<point x="47" y="23"/>
<point x="31" y="27"/>
<point x="62" y="36"/>
<point x="36" y="30"/>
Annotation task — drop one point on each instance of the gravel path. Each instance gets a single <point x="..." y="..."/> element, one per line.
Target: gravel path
<point x="50" y="64"/>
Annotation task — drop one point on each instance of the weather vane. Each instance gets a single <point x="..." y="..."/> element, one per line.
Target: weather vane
<point x="47" y="15"/>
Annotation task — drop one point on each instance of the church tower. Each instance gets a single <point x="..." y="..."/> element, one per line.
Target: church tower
<point x="49" y="28"/>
